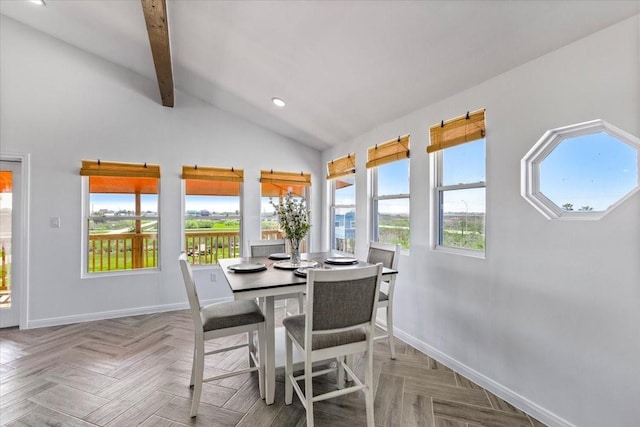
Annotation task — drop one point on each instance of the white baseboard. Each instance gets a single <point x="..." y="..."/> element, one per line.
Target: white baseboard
<point x="90" y="317"/>
<point x="494" y="387"/>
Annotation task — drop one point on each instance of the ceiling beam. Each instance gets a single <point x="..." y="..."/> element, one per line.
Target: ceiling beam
<point x="155" y="15"/>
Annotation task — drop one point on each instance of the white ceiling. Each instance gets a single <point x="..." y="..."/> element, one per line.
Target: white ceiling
<point x="342" y="66"/>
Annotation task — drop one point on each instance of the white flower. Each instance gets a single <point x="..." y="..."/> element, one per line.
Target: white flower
<point x="293" y="217"/>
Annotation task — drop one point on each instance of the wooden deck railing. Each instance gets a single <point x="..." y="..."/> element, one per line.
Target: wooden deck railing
<point x="128" y="251"/>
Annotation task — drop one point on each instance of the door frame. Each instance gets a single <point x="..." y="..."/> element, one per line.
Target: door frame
<point x="22" y="272"/>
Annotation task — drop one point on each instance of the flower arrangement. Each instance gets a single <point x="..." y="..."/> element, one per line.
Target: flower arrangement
<point x="293" y="217"/>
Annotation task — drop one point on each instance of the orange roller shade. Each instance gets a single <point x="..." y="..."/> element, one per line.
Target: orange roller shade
<point x="121" y="185"/>
<point x="6" y="182"/>
<point x="342" y="166"/>
<point x="278" y="184"/>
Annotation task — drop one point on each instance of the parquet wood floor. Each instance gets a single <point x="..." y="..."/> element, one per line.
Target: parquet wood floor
<point x="135" y="371"/>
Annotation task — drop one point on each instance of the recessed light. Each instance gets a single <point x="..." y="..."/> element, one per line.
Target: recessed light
<point x="278" y="102"/>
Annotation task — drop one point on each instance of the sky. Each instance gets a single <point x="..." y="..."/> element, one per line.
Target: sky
<point x="593" y="170"/>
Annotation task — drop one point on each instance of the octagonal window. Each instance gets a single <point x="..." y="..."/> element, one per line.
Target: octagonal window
<point x="581" y="171"/>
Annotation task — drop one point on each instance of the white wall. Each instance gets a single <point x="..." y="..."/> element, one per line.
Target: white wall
<point x="62" y="105"/>
<point x="550" y="319"/>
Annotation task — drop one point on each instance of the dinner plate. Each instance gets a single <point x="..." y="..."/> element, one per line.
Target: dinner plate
<point x="288" y="265"/>
<point x="301" y="272"/>
<point x="279" y="256"/>
<point x="341" y="260"/>
<point x="247" y="267"/>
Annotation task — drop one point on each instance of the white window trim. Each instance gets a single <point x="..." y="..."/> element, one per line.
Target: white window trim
<point x="375" y="198"/>
<point x="530" y="168"/>
<point x="332" y="212"/>
<point x="84" y="243"/>
<point x="438" y="189"/>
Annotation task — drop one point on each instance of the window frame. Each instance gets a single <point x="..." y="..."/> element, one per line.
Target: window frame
<point x="332" y="213"/>
<point x="530" y="168"/>
<point x="376" y="198"/>
<point x="439" y="190"/>
<point x="209" y="174"/>
<point x="462" y="130"/>
<point x="90" y="169"/>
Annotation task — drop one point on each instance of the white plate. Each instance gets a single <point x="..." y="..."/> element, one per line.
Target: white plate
<point x="287" y="265"/>
<point x="246" y="267"/>
<point x="341" y="260"/>
<point x="279" y="256"/>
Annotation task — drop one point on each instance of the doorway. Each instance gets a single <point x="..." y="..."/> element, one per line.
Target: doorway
<point x="10" y="241"/>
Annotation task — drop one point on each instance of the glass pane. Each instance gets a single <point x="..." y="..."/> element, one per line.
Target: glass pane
<point x="393" y="178"/>
<point x="345" y="190"/>
<point x="6" y="209"/>
<point x="464" y="164"/>
<point x="212" y="228"/>
<point x="123" y="236"/>
<point x="344" y="230"/>
<point x="393" y="221"/>
<point x="462" y="218"/>
<point x="589" y="172"/>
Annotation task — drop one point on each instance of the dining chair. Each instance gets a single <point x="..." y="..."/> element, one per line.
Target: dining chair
<point x="264" y="248"/>
<point x="220" y="320"/>
<point x="339" y="320"/>
<point x="389" y="256"/>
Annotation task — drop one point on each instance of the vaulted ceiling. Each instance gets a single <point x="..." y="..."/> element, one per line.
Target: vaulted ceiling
<point x="343" y="67"/>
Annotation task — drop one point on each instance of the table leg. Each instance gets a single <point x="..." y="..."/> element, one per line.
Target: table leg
<point x="270" y="360"/>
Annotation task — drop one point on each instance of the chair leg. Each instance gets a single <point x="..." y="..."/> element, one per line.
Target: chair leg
<point x="340" y="374"/>
<point x="349" y="361"/>
<point x="368" y="380"/>
<point x="288" y="370"/>
<point x="193" y="367"/>
<point x="392" y="345"/>
<point x="308" y="390"/>
<point x="262" y="350"/>
<point x="199" y="373"/>
<point x="300" y="303"/>
<point x="252" y="348"/>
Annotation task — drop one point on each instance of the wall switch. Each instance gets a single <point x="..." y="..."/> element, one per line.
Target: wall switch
<point x="54" y="221"/>
<point x="213" y="277"/>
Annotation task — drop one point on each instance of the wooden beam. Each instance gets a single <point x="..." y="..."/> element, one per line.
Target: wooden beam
<point x="155" y="15"/>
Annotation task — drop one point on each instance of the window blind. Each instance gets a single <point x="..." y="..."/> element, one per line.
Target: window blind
<point x="121" y="178"/>
<point x="457" y="131"/>
<point x="342" y="166"/>
<point x="209" y="181"/>
<point x="278" y="184"/>
<point x="390" y="151"/>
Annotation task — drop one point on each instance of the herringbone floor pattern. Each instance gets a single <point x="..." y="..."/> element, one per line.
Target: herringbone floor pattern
<point x="135" y="371"/>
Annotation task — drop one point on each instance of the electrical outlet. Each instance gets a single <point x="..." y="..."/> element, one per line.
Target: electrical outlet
<point x="54" y="221"/>
<point x="213" y="277"/>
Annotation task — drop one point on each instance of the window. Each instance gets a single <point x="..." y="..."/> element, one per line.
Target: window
<point x="122" y="219"/>
<point x="341" y="176"/>
<point x="212" y="217"/>
<point x="389" y="164"/>
<point x="582" y="171"/>
<point x="460" y="173"/>
<point x="274" y="186"/>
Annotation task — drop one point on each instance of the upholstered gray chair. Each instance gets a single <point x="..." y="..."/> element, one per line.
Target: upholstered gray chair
<point x="339" y="320"/>
<point x="264" y="248"/>
<point x="388" y="255"/>
<point x="221" y="320"/>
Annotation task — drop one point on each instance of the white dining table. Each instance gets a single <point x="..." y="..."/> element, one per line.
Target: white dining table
<point x="268" y="284"/>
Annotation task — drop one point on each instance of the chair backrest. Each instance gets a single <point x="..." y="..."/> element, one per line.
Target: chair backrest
<point x="342" y="298"/>
<point x="266" y="247"/>
<point x="385" y="253"/>
<point x="192" y="293"/>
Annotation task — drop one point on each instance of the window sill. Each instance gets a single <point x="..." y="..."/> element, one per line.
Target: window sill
<point x="460" y="251"/>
